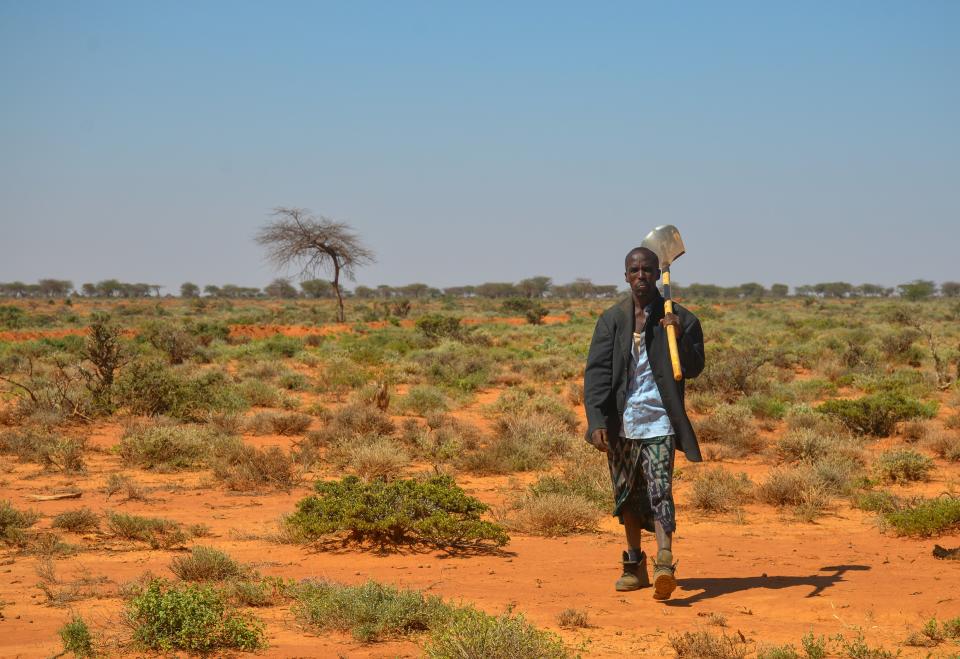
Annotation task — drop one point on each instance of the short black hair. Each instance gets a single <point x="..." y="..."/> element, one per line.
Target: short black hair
<point x="640" y="250"/>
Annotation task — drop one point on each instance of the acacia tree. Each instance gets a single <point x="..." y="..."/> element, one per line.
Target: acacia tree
<point x="314" y="243"/>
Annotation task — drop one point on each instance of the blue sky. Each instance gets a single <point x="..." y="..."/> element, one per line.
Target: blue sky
<point x="789" y="142"/>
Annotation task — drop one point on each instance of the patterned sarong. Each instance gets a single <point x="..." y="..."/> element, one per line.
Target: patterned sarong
<point x="642" y="476"/>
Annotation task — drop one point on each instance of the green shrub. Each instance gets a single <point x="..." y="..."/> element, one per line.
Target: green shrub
<point x="876" y="414"/>
<point x="765" y="406"/>
<point x="76" y="638"/>
<point x="472" y="634"/>
<point x="810" y="445"/>
<point x="205" y="564"/>
<point x="370" y="612"/>
<point x="433" y="512"/>
<point x="151" y="388"/>
<point x="717" y="490"/>
<point x="436" y="327"/>
<point x="82" y="520"/>
<point x="902" y="465"/>
<point x="191" y="617"/>
<point x="159" y="533"/>
<point x="926" y="518"/>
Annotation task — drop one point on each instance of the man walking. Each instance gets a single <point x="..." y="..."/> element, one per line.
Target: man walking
<point x="635" y="413"/>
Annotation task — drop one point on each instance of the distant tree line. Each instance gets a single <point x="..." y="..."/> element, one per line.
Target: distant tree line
<point x="534" y="288"/>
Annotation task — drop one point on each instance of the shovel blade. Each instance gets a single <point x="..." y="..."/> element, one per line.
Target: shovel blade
<point x="666" y="242"/>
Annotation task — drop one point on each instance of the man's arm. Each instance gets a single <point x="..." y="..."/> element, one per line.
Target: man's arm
<point x="690" y="347"/>
<point x="598" y="378"/>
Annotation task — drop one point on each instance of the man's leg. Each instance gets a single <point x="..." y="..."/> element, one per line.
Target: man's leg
<point x="635" y="575"/>
<point x="657" y="465"/>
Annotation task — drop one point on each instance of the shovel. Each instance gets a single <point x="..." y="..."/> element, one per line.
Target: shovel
<point x="666" y="243"/>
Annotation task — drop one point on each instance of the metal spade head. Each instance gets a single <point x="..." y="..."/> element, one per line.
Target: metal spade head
<point x="666" y="243"/>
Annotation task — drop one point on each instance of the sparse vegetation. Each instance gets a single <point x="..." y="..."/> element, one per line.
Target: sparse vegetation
<point x="82" y="520"/>
<point x="903" y="465"/>
<point x="157" y="532"/>
<point x="717" y="490"/>
<point x="704" y="645"/>
<point x="76" y="637"/>
<point x="205" y="564"/>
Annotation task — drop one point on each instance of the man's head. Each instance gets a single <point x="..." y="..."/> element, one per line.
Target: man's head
<point x="641" y="271"/>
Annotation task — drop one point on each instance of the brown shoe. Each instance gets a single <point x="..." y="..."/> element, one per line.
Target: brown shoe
<point x="634" y="575"/>
<point x="664" y="575"/>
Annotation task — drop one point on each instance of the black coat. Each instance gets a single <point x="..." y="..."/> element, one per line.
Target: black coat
<point x="608" y="363"/>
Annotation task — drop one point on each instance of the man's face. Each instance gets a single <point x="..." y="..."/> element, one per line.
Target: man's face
<point x="642" y="273"/>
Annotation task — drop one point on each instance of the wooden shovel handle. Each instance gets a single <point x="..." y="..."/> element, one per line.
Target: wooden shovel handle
<point x="671" y="330"/>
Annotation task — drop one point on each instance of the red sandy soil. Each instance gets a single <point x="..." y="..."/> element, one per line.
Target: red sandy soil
<point x="771" y="577"/>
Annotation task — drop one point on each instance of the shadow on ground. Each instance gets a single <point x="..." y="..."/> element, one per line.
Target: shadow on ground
<point x="711" y="587"/>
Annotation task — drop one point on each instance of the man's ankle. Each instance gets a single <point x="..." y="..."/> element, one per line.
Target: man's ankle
<point x="634" y="555"/>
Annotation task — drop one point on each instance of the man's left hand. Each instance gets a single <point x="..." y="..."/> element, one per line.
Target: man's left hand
<point x="672" y="319"/>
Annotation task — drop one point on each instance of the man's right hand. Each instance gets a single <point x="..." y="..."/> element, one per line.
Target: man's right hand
<point x="599" y="439"/>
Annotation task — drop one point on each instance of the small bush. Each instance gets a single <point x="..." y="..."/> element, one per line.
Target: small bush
<point x="82" y="520"/>
<point x="463" y="368"/>
<point x="732" y="372"/>
<point x="797" y="487"/>
<point x="704" y="645"/>
<point x="378" y="458"/>
<point x="159" y="533"/>
<point x="353" y="421"/>
<point x="584" y="473"/>
<point x="433" y="512"/>
<point x="190" y="617"/>
<point x="903" y="465"/>
<point x="166" y="447"/>
<point x="117" y="483"/>
<point x="49" y="450"/>
<point x="732" y="427"/>
<point x="877" y="414"/>
<point x="176" y="342"/>
<point x="422" y="400"/>
<point x="552" y="514"/>
<point x="13" y="522"/>
<point x="519" y="402"/>
<point x="717" y="490"/>
<point x="573" y="618"/>
<point x="257" y="592"/>
<point x="259" y="393"/>
<point x="290" y="423"/>
<point x="436" y="327"/>
<point x="76" y="638"/>
<point x="810" y="445"/>
<point x="926" y="518"/>
<point x="370" y="611"/>
<point x="778" y="652"/>
<point x="475" y="635"/>
<point x="945" y="445"/>
<point x="243" y="468"/>
<point x="205" y="564"/>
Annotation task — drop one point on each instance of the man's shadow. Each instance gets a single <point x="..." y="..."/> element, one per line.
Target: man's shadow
<point x="715" y="586"/>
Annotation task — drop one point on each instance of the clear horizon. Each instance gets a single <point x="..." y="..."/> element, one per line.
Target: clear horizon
<point x="790" y="144"/>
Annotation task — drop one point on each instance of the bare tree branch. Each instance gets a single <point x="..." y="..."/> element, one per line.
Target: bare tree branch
<point x="313" y="244"/>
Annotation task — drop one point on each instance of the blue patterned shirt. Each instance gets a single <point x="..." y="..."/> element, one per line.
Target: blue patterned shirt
<point x="644" y="416"/>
